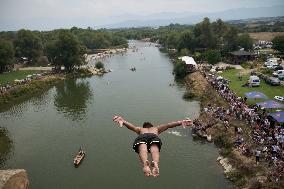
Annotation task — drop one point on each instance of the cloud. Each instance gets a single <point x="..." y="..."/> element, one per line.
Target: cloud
<point x="64" y="12"/>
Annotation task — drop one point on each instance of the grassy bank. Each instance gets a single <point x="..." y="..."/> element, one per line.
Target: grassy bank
<point x="25" y="91"/>
<point x="236" y="85"/>
<point x="33" y="87"/>
<point x="11" y="76"/>
<point x="245" y="173"/>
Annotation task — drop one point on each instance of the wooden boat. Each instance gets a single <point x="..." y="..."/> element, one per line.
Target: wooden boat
<point x="79" y="157"/>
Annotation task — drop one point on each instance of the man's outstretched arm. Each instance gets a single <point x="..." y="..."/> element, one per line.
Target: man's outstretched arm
<point x="128" y="125"/>
<point x="162" y="128"/>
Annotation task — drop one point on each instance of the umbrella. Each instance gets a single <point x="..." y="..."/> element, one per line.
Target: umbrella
<point x="278" y="116"/>
<point x="270" y="104"/>
<point x="255" y="94"/>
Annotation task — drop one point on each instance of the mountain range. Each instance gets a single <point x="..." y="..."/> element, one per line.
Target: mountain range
<point x="166" y="18"/>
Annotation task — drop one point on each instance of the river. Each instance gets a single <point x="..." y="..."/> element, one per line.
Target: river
<point x="47" y="130"/>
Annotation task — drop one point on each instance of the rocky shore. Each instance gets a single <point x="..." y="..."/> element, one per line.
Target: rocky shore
<point x="14" y="179"/>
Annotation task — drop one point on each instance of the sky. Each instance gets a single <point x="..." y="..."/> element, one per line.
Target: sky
<point x="51" y="14"/>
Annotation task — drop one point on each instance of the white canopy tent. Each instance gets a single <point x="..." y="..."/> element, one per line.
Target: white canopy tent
<point x="188" y="60"/>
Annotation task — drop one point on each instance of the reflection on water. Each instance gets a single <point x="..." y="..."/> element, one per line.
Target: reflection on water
<point x="71" y="98"/>
<point x="6" y="145"/>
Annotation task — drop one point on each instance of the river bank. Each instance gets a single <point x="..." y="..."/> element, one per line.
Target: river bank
<point x="24" y="91"/>
<point x="29" y="87"/>
<point x="239" y="168"/>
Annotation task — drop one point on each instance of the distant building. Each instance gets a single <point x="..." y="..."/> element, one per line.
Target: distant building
<point x="238" y="57"/>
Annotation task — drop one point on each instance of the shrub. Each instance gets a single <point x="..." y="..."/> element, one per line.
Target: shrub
<point x="180" y="70"/>
<point x="213" y="56"/>
<point x="266" y="71"/>
<point x="184" y="52"/>
<point x="188" y="95"/>
<point x="222" y="142"/>
<point x="237" y="178"/>
<point x="99" y="65"/>
<point x="230" y="68"/>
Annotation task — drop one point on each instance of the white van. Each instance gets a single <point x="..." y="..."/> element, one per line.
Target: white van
<point x="254" y="81"/>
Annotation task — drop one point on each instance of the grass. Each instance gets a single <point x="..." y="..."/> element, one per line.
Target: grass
<point x="265" y="36"/>
<point x="11" y="76"/>
<point x="236" y="85"/>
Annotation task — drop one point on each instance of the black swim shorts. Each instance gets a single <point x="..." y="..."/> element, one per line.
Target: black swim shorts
<point x="147" y="138"/>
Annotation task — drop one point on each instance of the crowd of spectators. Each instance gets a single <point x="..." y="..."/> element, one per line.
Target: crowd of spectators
<point x="267" y="134"/>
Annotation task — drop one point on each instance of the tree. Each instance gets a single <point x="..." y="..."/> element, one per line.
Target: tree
<point x="245" y="41"/>
<point x="278" y="43"/>
<point x="172" y="40"/>
<point x="28" y="45"/>
<point x="186" y="40"/>
<point x="6" y="54"/>
<point x="213" y="56"/>
<point x="220" y="28"/>
<point x="184" y="52"/>
<point x="204" y="35"/>
<point x="231" y="39"/>
<point x="65" y="50"/>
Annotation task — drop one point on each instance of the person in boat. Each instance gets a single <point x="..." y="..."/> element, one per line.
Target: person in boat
<point x="148" y="141"/>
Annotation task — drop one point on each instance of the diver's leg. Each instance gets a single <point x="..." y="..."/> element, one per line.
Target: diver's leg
<point x="155" y="153"/>
<point x="143" y="155"/>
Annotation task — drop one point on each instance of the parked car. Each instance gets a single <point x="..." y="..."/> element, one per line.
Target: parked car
<point x="254" y="81"/>
<point x="272" y="65"/>
<point x="273" y="81"/>
<point x="279" y="74"/>
<point x="280" y="98"/>
<point x="279" y="67"/>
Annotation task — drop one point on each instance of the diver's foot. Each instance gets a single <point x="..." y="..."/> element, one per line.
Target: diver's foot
<point x="155" y="170"/>
<point x="146" y="169"/>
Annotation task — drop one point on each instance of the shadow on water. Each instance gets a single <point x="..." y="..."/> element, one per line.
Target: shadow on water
<point x="6" y="146"/>
<point x="72" y="97"/>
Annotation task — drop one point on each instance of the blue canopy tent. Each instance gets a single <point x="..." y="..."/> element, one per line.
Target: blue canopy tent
<point x="278" y="116"/>
<point x="255" y="94"/>
<point x="270" y="104"/>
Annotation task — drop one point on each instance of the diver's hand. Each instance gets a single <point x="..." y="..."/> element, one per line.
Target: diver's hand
<point x="118" y="120"/>
<point x="185" y="123"/>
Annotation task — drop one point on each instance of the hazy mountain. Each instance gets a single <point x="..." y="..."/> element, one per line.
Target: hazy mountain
<point x="165" y="18"/>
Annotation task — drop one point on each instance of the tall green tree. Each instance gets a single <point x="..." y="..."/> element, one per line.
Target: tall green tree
<point x="204" y="35"/>
<point x="278" y="43"/>
<point x="213" y="56"/>
<point x="6" y="54"/>
<point x="29" y="45"/>
<point x="245" y="41"/>
<point x="66" y="51"/>
<point x="231" y="39"/>
<point x="186" y="40"/>
<point x="220" y="28"/>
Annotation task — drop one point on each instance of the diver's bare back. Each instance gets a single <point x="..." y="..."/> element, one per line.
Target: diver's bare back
<point x="153" y="130"/>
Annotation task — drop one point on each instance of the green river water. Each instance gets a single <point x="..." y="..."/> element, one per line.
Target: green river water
<point x="47" y="130"/>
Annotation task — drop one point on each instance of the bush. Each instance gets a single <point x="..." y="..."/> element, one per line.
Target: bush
<point x="99" y="65"/>
<point x="222" y="142"/>
<point x="180" y="70"/>
<point x="237" y="178"/>
<point x="266" y="71"/>
<point x="188" y="95"/>
<point x="213" y="56"/>
<point x="184" y="52"/>
<point x="230" y="68"/>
